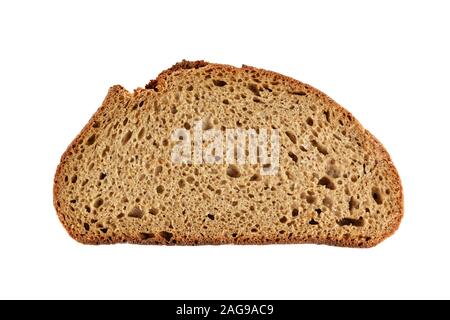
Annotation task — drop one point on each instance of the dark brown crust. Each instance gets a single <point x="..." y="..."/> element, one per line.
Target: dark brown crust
<point x="183" y="65"/>
<point x="158" y="85"/>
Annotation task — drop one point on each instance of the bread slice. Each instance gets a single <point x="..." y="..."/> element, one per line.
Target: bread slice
<point x="118" y="182"/>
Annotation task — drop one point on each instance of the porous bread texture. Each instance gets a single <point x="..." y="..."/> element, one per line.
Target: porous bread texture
<point x="116" y="182"/>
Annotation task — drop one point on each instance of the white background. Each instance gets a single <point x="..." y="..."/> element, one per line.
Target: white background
<point x="385" y="61"/>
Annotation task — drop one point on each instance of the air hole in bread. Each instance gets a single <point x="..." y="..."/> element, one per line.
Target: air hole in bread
<point x="253" y="88"/>
<point x="225" y="101"/>
<point x="311" y="199"/>
<point x="298" y="93"/>
<point x="211" y="216"/>
<point x="294" y="213"/>
<point x="265" y="86"/>
<point x="233" y="171"/>
<point x="86" y="226"/>
<point x="127" y="137"/>
<point x="190" y="88"/>
<point x="320" y="147"/>
<point x="190" y="179"/>
<point x="351" y="222"/>
<point x="98" y="203"/>
<point x="160" y="189"/>
<point x="293" y="156"/>
<point x="267" y="167"/>
<point x="313" y="222"/>
<point x="90" y="141"/>
<point x="105" y="151"/>
<point x="146" y="235"/>
<point x="325" y="181"/>
<point x="136" y="212"/>
<point x="283" y="219"/>
<point x="102" y="176"/>
<point x="256" y="177"/>
<point x="290" y="176"/>
<point x="141" y="133"/>
<point x="376" y="195"/>
<point x="310" y="121"/>
<point x="158" y="170"/>
<point x="327" y="115"/>
<point x="104" y="230"/>
<point x="166" y="235"/>
<point x="291" y="136"/>
<point x="74" y="179"/>
<point x="219" y="83"/>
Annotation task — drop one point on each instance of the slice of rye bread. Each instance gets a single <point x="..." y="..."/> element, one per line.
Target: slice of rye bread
<point x="335" y="185"/>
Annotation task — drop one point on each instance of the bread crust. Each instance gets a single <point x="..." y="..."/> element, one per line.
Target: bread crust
<point x="158" y="85"/>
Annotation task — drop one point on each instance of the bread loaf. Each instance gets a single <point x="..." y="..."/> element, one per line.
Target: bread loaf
<point x="329" y="181"/>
